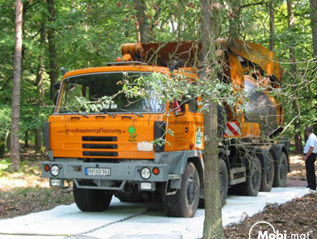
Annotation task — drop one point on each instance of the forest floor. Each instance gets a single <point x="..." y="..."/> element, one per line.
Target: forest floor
<point x="294" y="219"/>
<point x="25" y="191"/>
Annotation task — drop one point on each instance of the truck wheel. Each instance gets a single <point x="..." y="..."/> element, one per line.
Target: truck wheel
<point x="223" y="179"/>
<point x="252" y="184"/>
<point x="268" y="175"/>
<point x="91" y="200"/>
<point x="185" y="202"/>
<point x="281" y="171"/>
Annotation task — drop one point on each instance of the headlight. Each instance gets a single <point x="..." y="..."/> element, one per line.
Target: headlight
<point x="55" y="170"/>
<point x="145" y="173"/>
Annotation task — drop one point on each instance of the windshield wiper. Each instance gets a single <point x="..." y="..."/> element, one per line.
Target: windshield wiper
<point x="107" y="113"/>
<point x="131" y="112"/>
<point x="75" y="113"/>
<point x="111" y="115"/>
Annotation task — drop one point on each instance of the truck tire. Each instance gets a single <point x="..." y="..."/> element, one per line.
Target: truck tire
<point x="91" y="200"/>
<point x="281" y="171"/>
<point x="251" y="186"/>
<point x="224" y="182"/>
<point x="268" y="175"/>
<point x="185" y="202"/>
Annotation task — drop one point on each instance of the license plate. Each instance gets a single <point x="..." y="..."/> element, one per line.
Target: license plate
<point x="98" y="171"/>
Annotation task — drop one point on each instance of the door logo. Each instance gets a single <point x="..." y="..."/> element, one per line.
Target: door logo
<point x="132" y="137"/>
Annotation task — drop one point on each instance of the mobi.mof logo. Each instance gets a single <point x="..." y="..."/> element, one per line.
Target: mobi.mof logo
<point x="265" y="230"/>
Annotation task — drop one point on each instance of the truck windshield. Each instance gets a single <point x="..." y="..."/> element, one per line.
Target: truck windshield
<point x="102" y="93"/>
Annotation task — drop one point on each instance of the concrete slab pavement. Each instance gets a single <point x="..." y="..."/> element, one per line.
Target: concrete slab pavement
<point x="126" y="220"/>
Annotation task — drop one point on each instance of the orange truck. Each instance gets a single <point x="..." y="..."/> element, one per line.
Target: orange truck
<point x="102" y="140"/>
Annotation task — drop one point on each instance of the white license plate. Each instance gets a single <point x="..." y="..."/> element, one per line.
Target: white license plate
<point x="98" y="171"/>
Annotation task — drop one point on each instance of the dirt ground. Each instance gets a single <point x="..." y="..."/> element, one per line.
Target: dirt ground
<point x="296" y="219"/>
<point x="25" y="191"/>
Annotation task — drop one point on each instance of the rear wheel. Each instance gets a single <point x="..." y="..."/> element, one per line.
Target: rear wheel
<point x="91" y="200"/>
<point x="281" y="171"/>
<point x="185" y="202"/>
<point x="252" y="184"/>
<point x="268" y="175"/>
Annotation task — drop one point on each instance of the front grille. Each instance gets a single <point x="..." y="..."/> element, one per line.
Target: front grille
<point x="100" y="138"/>
<point x="100" y="143"/>
<point x="94" y="153"/>
<point x="100" y="146"/>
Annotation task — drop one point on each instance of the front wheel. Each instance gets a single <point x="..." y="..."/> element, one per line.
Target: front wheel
<point x="91" y="200"/>
<point x="184" y="202"/>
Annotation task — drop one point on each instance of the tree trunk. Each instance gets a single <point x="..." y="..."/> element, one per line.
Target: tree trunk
<point x="272" y="25"/>
<point x="38" y="140"/>
<point x="40" y="89"/>
<point x="213" y="222"/>
<point x="297" y="124"/>
<point x="234" y="19"/>
<point x="16" y="93"/>
<point x="40" y="68"/>
<point x="313" y="23"/>
<point x="53" y="71"/>
<point x="141" y="21"/>
<point x="26" y="139"/>
<point x="313" y="18"/>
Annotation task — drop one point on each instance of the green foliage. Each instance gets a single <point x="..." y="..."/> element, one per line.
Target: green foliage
<point x="89" y="33"/>
<point x="4" y="165"/>
<point x="5" y="120"/>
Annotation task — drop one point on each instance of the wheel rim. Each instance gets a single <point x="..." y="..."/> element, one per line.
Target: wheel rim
<point x="191" y="190"/>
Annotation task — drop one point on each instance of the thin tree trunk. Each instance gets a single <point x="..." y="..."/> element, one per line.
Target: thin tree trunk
<point x="297" y="124"/>
<point x="53" y="71"/>
<point x="40" y="89"/>
<point x="141" y="21"/>
<point x="313" y="18"/>
<point x="38" y="140"/>
<point x="16" y="93"/>
<point x="213" y="222"/>
<point x="272" y="25"/>
<point x="234" y="19"/>
<point x="26" y="139"/>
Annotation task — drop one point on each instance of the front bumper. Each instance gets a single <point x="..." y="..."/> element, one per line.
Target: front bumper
<point x="117" y="173"/>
